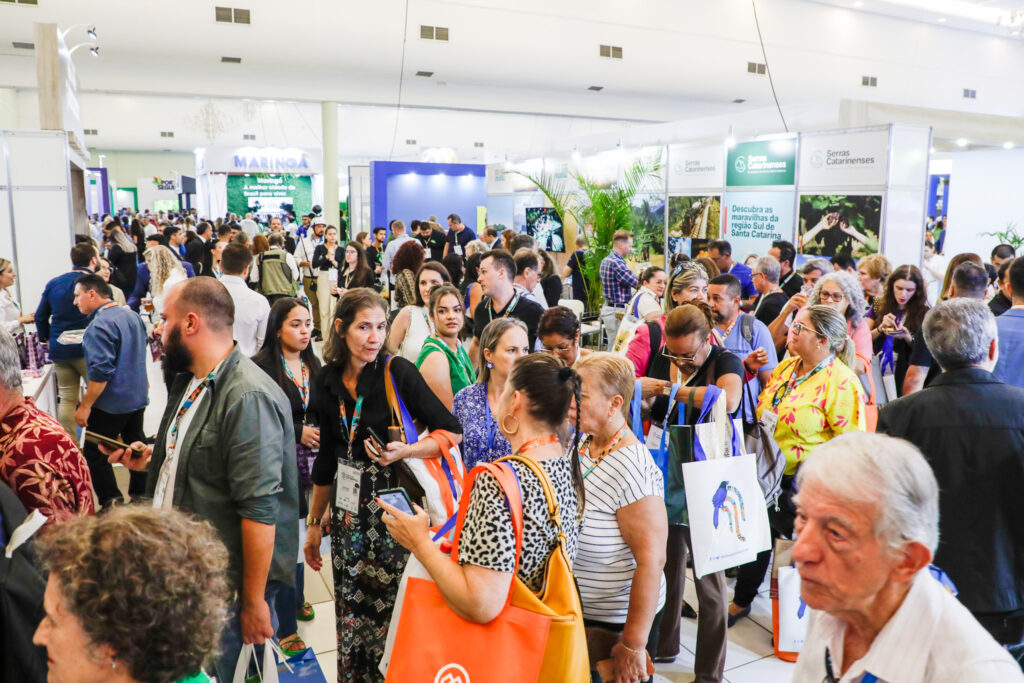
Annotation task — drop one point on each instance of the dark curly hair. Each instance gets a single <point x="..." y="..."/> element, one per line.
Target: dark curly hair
<point x="149" y="584"/>
<point x="408" y="257"/>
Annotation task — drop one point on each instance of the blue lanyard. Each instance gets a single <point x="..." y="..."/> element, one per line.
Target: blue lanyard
<point x="492" y="426"/>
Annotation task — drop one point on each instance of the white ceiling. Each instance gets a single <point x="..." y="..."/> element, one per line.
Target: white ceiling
<point x="529" y="60"/>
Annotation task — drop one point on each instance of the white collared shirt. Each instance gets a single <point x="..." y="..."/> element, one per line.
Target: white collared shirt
<point x="251" y="313"/>
<point x="931" y="638"/>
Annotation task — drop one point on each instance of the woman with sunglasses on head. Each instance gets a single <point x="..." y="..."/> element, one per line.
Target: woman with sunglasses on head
<point x="689" y="358"/>
<point x="287" y="356"/>
<point x="413" y="325"/>
<point x="842" y="291"/>
<point x="811" y="398"/>
<point x="689" y="282"/>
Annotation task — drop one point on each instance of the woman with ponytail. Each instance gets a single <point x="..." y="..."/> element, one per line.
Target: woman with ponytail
<point x="811" y="398"/>
<point x="532" y="407"/>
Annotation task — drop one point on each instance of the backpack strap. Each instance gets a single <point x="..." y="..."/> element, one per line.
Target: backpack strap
<point x="654" y="332"/>
<point x="747" y="328"/>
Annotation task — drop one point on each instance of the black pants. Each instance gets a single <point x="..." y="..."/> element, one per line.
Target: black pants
<point x="750" y="576"/>
<point x="1008" y="630"/>
<point x="126" y="427"/>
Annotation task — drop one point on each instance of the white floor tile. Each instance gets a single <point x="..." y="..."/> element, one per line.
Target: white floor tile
<point x="766" y="670"/>
<point x="314" y="587"/>
<point x="321" y="633"/>
<point x="329" y="664"/>
<point x="327" y="574"/>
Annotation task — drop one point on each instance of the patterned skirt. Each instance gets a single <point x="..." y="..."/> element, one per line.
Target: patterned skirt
<point x="368" y="564"/>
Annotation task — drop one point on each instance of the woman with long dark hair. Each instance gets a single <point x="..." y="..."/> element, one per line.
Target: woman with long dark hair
<point x="354" y="272"/>
<point x="405" y="266"/>
<point x="350" y="400"/>
<point x="138" y="236"/>
<point x="896" y="319"/>
<point x="287" y="356"/>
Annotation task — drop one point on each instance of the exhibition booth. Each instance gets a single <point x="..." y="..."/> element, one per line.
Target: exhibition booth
<point x="857" y="191"/>
<point x="267" y="181"/>
<point x="416" y="190"/>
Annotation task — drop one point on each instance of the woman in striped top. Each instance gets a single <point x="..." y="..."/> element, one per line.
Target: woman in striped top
<point x="621" y="551"/>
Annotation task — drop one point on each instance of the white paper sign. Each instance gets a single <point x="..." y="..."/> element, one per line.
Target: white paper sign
<point x="794" y="614"/>
<point x="843" y="160"/>
<point x="695" y="168"/>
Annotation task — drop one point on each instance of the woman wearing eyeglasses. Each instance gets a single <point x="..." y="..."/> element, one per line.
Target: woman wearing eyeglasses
<point x="839" y="290"/>
<point x="689" y="358"/>
<point x="811" y="398"/>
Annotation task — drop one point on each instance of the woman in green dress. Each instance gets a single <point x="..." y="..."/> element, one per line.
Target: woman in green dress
<point x="443" y="360"/>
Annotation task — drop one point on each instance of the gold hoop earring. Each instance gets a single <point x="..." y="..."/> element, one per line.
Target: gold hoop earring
<point x="505" y="428"/>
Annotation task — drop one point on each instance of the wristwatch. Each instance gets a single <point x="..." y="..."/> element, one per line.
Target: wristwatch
<point x="312" y="521"/>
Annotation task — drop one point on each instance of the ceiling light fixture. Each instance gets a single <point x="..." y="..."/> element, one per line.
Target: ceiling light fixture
<point x="961" y="142"/>
<point x="91" y="32"/>
<point x="942" y="20"/>
<point x="858" y="4"/>
<point x="95" y="50"/>
<point x="931" y="151"/>
<point x="1007" y="145"/>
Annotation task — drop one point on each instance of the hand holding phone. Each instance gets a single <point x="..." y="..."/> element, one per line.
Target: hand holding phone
<point x="397" y="498"/>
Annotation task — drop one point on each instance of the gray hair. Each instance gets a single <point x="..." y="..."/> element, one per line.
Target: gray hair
<point x="850" y="286"/>
<point x="830" y="324"/>
<point x="769" y="267"/>
<point x="887" y="472"/>
<point x="489" y="339"/>
<point x="817" y="264"/>
<point x="959" y="332"/>
<point x="10" y="362"/>
<point x="477" y="247"/>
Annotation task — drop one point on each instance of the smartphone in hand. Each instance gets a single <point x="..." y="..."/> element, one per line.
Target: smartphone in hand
<point x="397" y="498"/>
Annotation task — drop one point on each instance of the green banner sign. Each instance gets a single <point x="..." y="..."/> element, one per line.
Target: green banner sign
<point x="769" y="162"/>
<point x="269" y="195"/>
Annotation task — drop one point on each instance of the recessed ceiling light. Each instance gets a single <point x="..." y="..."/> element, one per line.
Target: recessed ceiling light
<point x="596" y="88"/>
<point x="932" y="150"/>
<point x="961" y="142"/>
<point x="95" y="51"/>
<point x="425" y="74"/>
<point x="858" y="4"/>
<point x="942" y="20"/>
<point x="1007" y="145"/>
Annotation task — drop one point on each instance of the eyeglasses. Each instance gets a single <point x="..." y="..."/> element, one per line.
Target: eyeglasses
<point x="564" y="348"/>
<point x="826" y="297"/>
<point x="800" y="327"/>
<point x="682" y="358"/>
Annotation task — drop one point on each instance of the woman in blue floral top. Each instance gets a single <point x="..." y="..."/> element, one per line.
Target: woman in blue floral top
<point x="502" y="342"/>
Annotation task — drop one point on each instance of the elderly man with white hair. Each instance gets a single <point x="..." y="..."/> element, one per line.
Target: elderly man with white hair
<point x="867" y="524"/>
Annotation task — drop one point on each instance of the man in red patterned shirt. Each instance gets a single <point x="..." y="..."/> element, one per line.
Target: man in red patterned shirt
<point x="38" y="460"/>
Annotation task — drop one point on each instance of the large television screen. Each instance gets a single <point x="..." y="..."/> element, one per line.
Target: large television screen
<point x="545" y="226"/>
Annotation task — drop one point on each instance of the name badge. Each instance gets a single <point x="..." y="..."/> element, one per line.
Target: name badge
<point x="769" y="420"/>
<point x="332" y="274"/>
<point x="653" y="441"/>
<point x="458" y="248"/>
<point x="346" y="496"/>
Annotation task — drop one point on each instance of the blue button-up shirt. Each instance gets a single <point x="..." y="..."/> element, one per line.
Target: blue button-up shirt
<point x="1009" y="368"/>
<point x="57" y="313"/>
<point x="617" y="281"/>
<point x="115" y="353"/>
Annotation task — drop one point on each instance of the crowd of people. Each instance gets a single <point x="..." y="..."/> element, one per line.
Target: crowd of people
<point x="306" y="374"/>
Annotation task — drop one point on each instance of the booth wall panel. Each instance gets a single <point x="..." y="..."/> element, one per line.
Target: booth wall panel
<point x="43" y="230"/>
<point x="985" y="199"/>
<point x="38" y="158"/>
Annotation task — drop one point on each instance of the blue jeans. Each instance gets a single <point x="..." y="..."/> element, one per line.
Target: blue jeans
<point x="289" y="602"/>
<point x="231" y="638"/>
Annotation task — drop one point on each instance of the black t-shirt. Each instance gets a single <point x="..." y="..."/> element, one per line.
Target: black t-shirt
<point x="373" y="255"/>
<point x="725" y="362"/>
<point x="433" y="244"/>
<point x="999" y="304"/>
<point x="463" y="238"/>
<point x="922" y="357"/>
<point x="518" y="307"/>
<point x="576" y="261"/>
<point x="768" y="310"/>
<point x="791" y="284"/>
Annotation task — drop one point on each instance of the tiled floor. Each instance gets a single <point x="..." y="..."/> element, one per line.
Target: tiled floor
<point x="749" y="658"/>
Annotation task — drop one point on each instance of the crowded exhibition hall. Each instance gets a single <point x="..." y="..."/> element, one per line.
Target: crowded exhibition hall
<point x="481" y="341"/>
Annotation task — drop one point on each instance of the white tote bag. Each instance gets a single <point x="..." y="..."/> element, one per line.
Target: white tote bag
<point x="268" y="669"/>
<point x="631" y="321"/>
<point x="794" y="614"/>
<point x="727" y="509"/>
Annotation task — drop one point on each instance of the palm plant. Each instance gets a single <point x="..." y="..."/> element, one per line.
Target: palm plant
<point x="598" y="211"/>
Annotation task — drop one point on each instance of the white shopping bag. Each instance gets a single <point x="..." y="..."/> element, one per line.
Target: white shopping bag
<point x="794" y="614"/>
<point x="268" y="670"/>
<point x="413" y="569"/>
<point x="726" y="506"/>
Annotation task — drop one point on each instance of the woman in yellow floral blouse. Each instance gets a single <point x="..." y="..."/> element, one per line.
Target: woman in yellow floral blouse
<point x="812" y="397"/>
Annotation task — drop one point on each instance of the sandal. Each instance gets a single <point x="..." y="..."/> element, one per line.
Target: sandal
<point x="305" y="613"/>
<point x="292" y="645"/>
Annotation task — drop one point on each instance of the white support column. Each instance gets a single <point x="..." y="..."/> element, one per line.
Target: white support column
<point x="9" y="109"/>
<point x="329" y="125"/>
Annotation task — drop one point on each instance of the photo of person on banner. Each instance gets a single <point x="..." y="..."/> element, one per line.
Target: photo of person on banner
<point x="831" y="225"/>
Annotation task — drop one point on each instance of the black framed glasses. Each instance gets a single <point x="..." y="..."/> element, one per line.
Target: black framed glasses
<point x="682" y="358"/>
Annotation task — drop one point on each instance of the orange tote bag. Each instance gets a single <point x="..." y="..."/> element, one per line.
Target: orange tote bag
<point x="435" y="644"/>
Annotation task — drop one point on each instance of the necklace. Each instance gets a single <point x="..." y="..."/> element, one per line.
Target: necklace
<point x="534" y="444"/>
<point x="585" y="451"/>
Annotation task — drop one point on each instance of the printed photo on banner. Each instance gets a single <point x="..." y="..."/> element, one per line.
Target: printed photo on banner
<point x="839" y="224"/>
<point x="695" y="216"/>
<point x="649" y="227"/>
<point x="679" y="245"/>
<point x="544" y="225"/>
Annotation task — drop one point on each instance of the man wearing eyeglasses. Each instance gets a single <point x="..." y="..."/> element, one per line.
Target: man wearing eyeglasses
<point x="744" y="335"/>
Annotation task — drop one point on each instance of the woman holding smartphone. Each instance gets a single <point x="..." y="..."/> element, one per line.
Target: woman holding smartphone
<point x="350" y="401"/>
<point x="288" y="358"/>
<point x="896" y="319"/>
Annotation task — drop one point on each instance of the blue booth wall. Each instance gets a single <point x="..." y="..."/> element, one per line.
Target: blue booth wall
<point x="408" y="191"/>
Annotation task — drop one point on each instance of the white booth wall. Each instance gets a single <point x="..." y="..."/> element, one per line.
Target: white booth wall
<point x="986" y="197"/>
